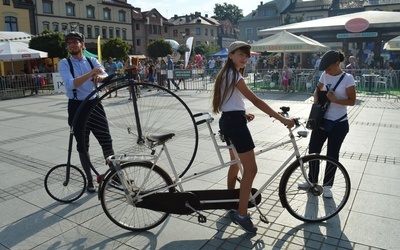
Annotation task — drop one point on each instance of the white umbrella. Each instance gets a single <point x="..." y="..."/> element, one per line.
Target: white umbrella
<point x="13" y="51"/>
<point x="287" y="42"/>
<point x="393" y="44"/>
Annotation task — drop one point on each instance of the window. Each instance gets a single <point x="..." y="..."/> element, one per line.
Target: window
<point x="124" y="34"/>
<point x="64" y="26"/>
<point x="47" y="7"/>
<point x="55" y="27"/>
<point x="11" y="23"/>
<point x="122" y="16"/>
<point x="107" y="14"/>
<point x="137" y="26"/>
<point x="111" y="32"/>
<point x="165" y="29"/>
<point x="154" y="29"/>
<point x="175" y="33"/>
<point x="70" y="8"/>
<point x="90" y="11"/>
<point x="104" y="33"/>
<point x="89" y="32"/>
<point x="206" y="32"/>
<point x="211" y="32"/>
<point x="82" y="30"/>
<point x="198" y="31"/>
<point x="118" y="33"/>
<point x="6" y="2"/>
<point x="46" y="26"/>
<point x="96" y="32"/>
<point x="138" y="42"/>
<point x="249" y="31"/>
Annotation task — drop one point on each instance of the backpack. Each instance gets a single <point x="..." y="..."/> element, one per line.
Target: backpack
<point x="71" y="68"/>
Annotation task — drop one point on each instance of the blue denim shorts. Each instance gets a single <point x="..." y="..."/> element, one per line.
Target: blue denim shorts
<point x="233" y="126"/>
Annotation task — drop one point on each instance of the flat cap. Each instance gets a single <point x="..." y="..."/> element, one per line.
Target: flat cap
<point x="329" y="58"/>
<point x="75" y="35"/>
<point x="236" y="45"/>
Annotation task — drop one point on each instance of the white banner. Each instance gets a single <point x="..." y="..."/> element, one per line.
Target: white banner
<point x="58" y="83"/>
<point x="189" y="43"/>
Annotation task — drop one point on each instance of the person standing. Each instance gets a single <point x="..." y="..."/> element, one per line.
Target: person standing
<point x="111" y="68"/>
<point x="351" y="67"/>
<point x="335" y="125"/>
<point x="79" y="82"/>
<point x="229" y="91"/>
<point x="317" y="72"/>
<point x="170" y="78"/>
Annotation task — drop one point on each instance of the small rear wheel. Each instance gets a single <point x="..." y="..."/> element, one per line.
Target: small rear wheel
<point x="141" y="178"/>
<point x="310" y="204"/>
<point x="64" y="187"/>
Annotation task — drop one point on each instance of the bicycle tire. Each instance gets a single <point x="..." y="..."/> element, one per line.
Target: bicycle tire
<point x="309" y="205"/>
<point x="160" y="112"/>
<point x="56" y="188"/>
<point x="114" y="201"/>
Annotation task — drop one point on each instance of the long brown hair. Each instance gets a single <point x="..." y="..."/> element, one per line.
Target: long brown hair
<point x="218" y="97"/>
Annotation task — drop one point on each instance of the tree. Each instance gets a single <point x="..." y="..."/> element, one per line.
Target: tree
<point x="206" y="49"/>
<point x="159" y="48"/>
<point x="228" y="12"/>
<point x="115" y="47"/>
<point x="182" y="49"/>
<point x="52" y="43"/>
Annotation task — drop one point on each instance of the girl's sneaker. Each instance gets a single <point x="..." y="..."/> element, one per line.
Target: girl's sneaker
<point x="244" y="222"/>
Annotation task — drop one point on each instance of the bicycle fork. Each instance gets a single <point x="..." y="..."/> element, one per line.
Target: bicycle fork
<point x="116" y="164"/>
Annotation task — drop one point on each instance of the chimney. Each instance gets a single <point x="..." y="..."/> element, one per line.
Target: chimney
<point x="206" y="15"/>
<point x="175" y="16"/>
<point x="261" y="3"/>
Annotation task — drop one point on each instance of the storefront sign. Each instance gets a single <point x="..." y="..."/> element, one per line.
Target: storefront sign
<point x="357" y="35"/>
<point x="183" y="73"/>
<point x="356" y="25"/>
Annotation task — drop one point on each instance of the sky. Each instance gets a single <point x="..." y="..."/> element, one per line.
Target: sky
<point x="168" y="8"/>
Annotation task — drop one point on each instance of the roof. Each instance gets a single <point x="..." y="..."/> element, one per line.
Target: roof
<point x="388" y="19"/>
<point x="308" y="6"/>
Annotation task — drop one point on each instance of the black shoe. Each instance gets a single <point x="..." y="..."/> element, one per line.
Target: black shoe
<point x="90" y="187"/>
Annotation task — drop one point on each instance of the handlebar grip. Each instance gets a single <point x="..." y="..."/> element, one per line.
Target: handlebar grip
<point x="296" y="121"/>
<point x="201" y="122"/>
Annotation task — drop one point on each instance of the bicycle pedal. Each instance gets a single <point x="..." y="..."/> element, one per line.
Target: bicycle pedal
<point x="201" y="218"/>
<point x="264" y="219"/>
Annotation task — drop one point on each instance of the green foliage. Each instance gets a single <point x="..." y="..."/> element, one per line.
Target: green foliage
<point x="52" y="43"/>
<point x="206" y="49"/>
<point x="159" y="48"/>
<point x="182" y="48"/>
<point x="115" y="48"/>
<point x="229" y="12"/>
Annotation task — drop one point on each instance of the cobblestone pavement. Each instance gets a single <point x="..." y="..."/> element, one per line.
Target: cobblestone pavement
<point x="34" y="138"/>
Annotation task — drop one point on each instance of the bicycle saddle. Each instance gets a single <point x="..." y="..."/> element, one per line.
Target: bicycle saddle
<point x="160" y="139"/>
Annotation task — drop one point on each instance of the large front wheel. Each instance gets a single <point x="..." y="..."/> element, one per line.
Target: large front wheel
<point x="310" y="204"/>
<point x="140" y="178"/>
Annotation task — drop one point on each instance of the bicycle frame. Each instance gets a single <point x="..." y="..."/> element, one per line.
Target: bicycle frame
<point x="179" y="181"/>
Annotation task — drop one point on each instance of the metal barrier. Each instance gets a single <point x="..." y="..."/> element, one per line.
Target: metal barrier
<point x="261" y="81"/>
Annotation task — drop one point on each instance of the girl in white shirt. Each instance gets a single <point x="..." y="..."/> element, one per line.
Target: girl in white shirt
<point x="229" y="91"/>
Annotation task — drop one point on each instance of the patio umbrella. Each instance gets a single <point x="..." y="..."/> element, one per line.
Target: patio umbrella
<point x="287" y="42"/>
<point x="13" y="51"/>
<point x="393" y="44"/>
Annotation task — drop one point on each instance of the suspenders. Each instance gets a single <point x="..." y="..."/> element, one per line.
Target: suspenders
<point x="73" y="75"/>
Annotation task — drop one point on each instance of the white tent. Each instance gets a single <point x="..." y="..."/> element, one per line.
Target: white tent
<point x="12" y="51"/>
<point x="393" y="44"/>
<point x="287" y="42"/>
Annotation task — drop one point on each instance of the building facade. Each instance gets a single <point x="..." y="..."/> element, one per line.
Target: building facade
<point x="93" y="18"/>
<point x="203" y="29"/>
